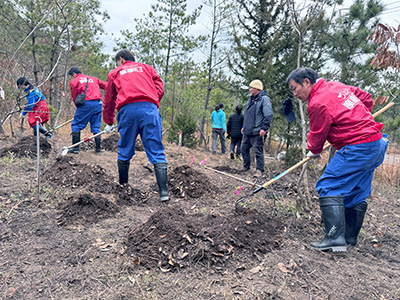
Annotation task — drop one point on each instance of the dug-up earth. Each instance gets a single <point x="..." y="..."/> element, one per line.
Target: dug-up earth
<point x="81" y="235"/>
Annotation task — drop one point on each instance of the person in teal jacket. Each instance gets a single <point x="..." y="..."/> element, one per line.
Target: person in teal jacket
<point x="218" y="120"/>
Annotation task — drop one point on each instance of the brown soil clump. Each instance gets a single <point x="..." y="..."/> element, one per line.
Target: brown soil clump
<point x="187" y="182"/>
<point x="26" y="147"/>
<point x="66" y="172"/>
<point x="86" y="209"/>
<point x="110" y="143"/>
<point x="171" y="239"/>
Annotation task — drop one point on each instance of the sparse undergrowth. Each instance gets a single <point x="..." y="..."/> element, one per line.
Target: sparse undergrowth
<point x="87" y="237"/>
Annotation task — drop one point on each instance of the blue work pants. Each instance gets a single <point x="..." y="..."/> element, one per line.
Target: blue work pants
<point x="350" y="171"/>
<point x="140" y="118"/>
<point x="90" y="111"/>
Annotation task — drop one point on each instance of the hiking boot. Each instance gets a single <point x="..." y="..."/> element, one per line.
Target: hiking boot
<point x="232" y="155"/>
<point x="258" y="174"/>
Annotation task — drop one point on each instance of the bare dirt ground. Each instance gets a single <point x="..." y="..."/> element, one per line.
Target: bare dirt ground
<point x="87" y="237"/>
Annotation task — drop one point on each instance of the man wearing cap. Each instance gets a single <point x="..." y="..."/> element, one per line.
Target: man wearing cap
<point x="340" y="114"/>
<point x="257" y="119"/>
<point x="91" y="109"/>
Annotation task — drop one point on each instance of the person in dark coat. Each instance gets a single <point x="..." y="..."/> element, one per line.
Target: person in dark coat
<point x="257" y="119"/>
<point x="234" y="131"/>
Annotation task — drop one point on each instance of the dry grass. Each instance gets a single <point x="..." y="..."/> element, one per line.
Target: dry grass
<point x="389" y="170"/>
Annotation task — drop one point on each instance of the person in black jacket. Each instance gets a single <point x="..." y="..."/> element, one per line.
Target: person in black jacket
<point x="234" y="131"/>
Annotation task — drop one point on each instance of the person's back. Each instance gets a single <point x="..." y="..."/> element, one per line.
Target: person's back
<point x="133" y="82"/>
<point x="218" y="119"/>
<point x="78" y="86"/>
<point x="235" y="124"/>
<point x="344" y="114"/>
<point x="135" y="90"/>
<point x="89" y="110"/>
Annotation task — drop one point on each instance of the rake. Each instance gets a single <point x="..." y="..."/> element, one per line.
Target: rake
<point x="327" y="145"/>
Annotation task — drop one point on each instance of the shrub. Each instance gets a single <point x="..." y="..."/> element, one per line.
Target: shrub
<point x="188" y="126"/>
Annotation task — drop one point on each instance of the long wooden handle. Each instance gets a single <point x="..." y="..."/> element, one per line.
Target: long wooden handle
<point x="327" y="145"/>
<point x="62" y="124"/>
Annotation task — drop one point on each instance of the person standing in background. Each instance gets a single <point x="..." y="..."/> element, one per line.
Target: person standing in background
<point x="234" y="131"/>
<point x="218" y="120"/>
<point x="257" y="119"/>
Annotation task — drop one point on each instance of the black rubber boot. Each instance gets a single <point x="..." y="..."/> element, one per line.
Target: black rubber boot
<point x="97" y="141"/>
<point x="123" y="170"/>
<point x="162" y="180"/>
<point x="44" y="131"/>
<point x="76" y="138"/>
<point x="354" y="219"/>
<point x="333" y="216"/>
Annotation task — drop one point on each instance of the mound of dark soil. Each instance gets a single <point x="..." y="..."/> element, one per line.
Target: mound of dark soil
<point x="127" y="195"/>
<point x="171" y="239"/>
<point x="109" y="143"/>
<point x="187" y="182"/>
<point x="26" y="147"/>
<point x="66" y="172"/>
<point x="85" y="209"/>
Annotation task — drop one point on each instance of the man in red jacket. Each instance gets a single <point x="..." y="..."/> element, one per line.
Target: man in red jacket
<point x="90" y="111"/>
<point x="134" y="89"/>
<point x="340" y="114"/>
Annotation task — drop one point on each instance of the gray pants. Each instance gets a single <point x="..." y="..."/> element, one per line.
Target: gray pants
<point x="257" y="142"/>
<point x="215" y="133"/>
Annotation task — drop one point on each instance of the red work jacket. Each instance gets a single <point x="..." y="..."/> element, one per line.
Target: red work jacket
<point x="78" y="85"/>
<point x="340" y="114"/>
<point x="131" y="82"/>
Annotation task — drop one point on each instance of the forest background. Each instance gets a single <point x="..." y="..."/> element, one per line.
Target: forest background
<point x="241" y="40"/>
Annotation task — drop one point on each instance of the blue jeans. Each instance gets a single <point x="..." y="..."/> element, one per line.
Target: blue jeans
<point x="90" y="111"/>
<point x="140" y="118"/>
<point x="350" y="171"/>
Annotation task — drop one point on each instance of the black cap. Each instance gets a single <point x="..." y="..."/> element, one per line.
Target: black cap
<point x="74" y="70"/>
<point x="22" y="81"/>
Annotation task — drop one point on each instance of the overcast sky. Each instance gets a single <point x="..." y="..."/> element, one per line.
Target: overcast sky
<point x="123" y="12"/>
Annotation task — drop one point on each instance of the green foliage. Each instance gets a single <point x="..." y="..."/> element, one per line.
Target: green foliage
<point x="348" y="46"/>
<point x="186" y="124"/>
<point x="293" y="156"/>
<point x="162" y="37"/>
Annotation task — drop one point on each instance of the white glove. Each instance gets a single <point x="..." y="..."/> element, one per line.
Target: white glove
<point x="108" y="129"/>
<point x="21" y="115"/>
<point x="313" y="156"/>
